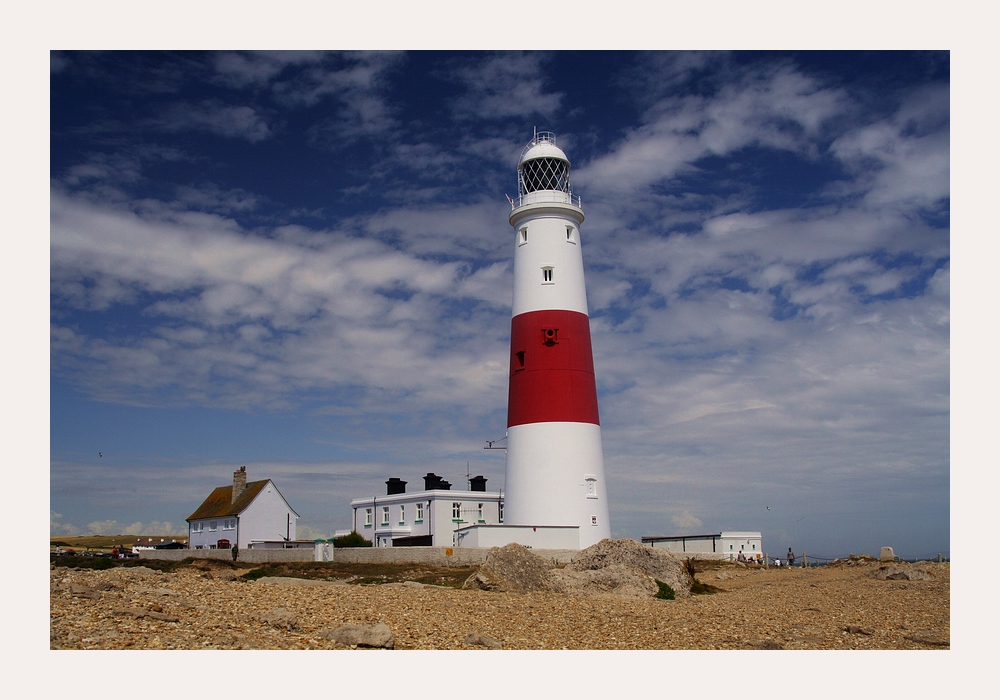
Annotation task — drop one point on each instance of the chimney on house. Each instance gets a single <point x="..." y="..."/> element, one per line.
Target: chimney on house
<point x="394" y="485"/>
<point x="239" y="483"/>
<point x="478" y="483"/>
<point x="433" y="482"/>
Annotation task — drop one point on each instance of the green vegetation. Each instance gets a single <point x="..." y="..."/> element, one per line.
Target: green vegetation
<point x="254" y="574"/>
<point x="665" y="592"/>
<point x="351" y="540"/>
<point x="697" y="587"/>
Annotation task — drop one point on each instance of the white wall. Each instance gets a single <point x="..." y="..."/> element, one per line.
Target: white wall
<point x="437" y="521"/>
<point x="536" y="537"/>
<point x="208" y="538"/>
<point x="267" y="517"/>
<point x="750" y="543"/>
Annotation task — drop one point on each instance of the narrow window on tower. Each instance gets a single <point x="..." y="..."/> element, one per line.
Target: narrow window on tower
<point x="547" y="275"/>
<point x="519" y="360"/>
<point x="523" y="238"/>
<point x="569" y="235"/>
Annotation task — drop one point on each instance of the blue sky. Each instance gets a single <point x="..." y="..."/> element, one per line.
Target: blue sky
<point x="301" y="262"/>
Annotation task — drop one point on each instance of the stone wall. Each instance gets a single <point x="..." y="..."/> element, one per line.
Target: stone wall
<point x="256" y="556"/>
<point x="431" y="556"/>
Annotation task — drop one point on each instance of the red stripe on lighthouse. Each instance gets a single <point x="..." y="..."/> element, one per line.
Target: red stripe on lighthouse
<point x="551" y="369"/>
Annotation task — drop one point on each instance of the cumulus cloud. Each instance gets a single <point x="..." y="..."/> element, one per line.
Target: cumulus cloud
<point x="503" y="85"/>
<point x="216" y="117"/>
<point x="778" y="108"/>
<point x="685" y="523"/>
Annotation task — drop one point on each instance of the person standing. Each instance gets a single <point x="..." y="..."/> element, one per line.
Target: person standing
<point x="790" y="557"/>
<point x="236" y="552"/>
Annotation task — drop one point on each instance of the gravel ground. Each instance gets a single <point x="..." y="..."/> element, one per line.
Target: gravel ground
<point x="831" y="607"/>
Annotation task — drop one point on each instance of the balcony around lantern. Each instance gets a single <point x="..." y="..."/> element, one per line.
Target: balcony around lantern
<point x="546" y="197"/>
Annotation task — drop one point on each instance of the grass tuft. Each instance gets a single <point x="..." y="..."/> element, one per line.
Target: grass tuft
<point x="665" y="592"/>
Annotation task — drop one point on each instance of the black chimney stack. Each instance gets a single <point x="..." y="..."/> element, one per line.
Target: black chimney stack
<point x="433" y="482"/>
<point x="478" y="483"/>
<point x="394" y="486"/>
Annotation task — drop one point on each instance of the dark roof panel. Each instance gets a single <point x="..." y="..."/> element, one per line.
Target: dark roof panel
<point x="218" y="504"/>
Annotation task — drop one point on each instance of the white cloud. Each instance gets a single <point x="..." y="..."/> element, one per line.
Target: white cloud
<point x="778" y="108"/>
<point x="504" y="85"/>
<point x="232" y="121"/>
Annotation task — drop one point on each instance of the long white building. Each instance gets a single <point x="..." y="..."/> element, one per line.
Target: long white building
<point x="429" y="517"/>
<point x="721" y="545"/>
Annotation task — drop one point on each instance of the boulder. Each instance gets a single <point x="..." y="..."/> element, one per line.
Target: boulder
<point x="887" y="554"/>
<point x="378" y="636"/>
<point x="900" y="572"/>
<point x="621" y="568"/>
<point x="511" y="568"/>
<point x="616" y="580"/>
<point x="653" y="561"/>
<point x="483" y="640"/>
<point x="279" y="617"/>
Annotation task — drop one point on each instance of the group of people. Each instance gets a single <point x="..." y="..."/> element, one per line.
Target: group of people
<point x="789" y="558"/>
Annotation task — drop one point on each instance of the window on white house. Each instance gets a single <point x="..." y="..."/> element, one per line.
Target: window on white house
<point x="500" y="514"/>
<point x="385" y="515"/>
<point x="420" y="512"/>
<point x="229" y="524"/>
<point x="368" y="517"/>
<point x="456" y="511"/>
<point x="480" y="512"/>
<point x="402" y="514"/>
<point x="213" y="526"/>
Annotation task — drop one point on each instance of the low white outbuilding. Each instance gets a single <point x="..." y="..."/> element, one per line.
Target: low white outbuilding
<point x="721" y="545"/>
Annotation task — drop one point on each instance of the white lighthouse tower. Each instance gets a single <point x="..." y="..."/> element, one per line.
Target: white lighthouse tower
<point x="555" y="460"/>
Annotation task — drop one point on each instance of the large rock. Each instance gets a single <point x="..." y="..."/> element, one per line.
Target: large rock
<point x="511" y="568"/>
<point x="900" y="572"/>
<point x="279" y="617"/>
<point x="378" y="636"/>
<point x="616" y="580"/>
<point x="620" y="568"/>
<point x="619" y="555"/>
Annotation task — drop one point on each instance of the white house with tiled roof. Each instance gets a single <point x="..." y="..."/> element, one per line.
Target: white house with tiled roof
<point x="242" y="514"/>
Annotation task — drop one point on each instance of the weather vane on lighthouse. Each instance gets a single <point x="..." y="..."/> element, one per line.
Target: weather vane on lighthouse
<point x="555" y="459"/>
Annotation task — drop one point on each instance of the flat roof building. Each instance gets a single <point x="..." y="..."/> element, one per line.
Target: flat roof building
<point x="720" y="545"/>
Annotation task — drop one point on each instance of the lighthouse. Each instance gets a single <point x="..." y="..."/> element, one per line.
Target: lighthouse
<point x="555" y="459"/>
